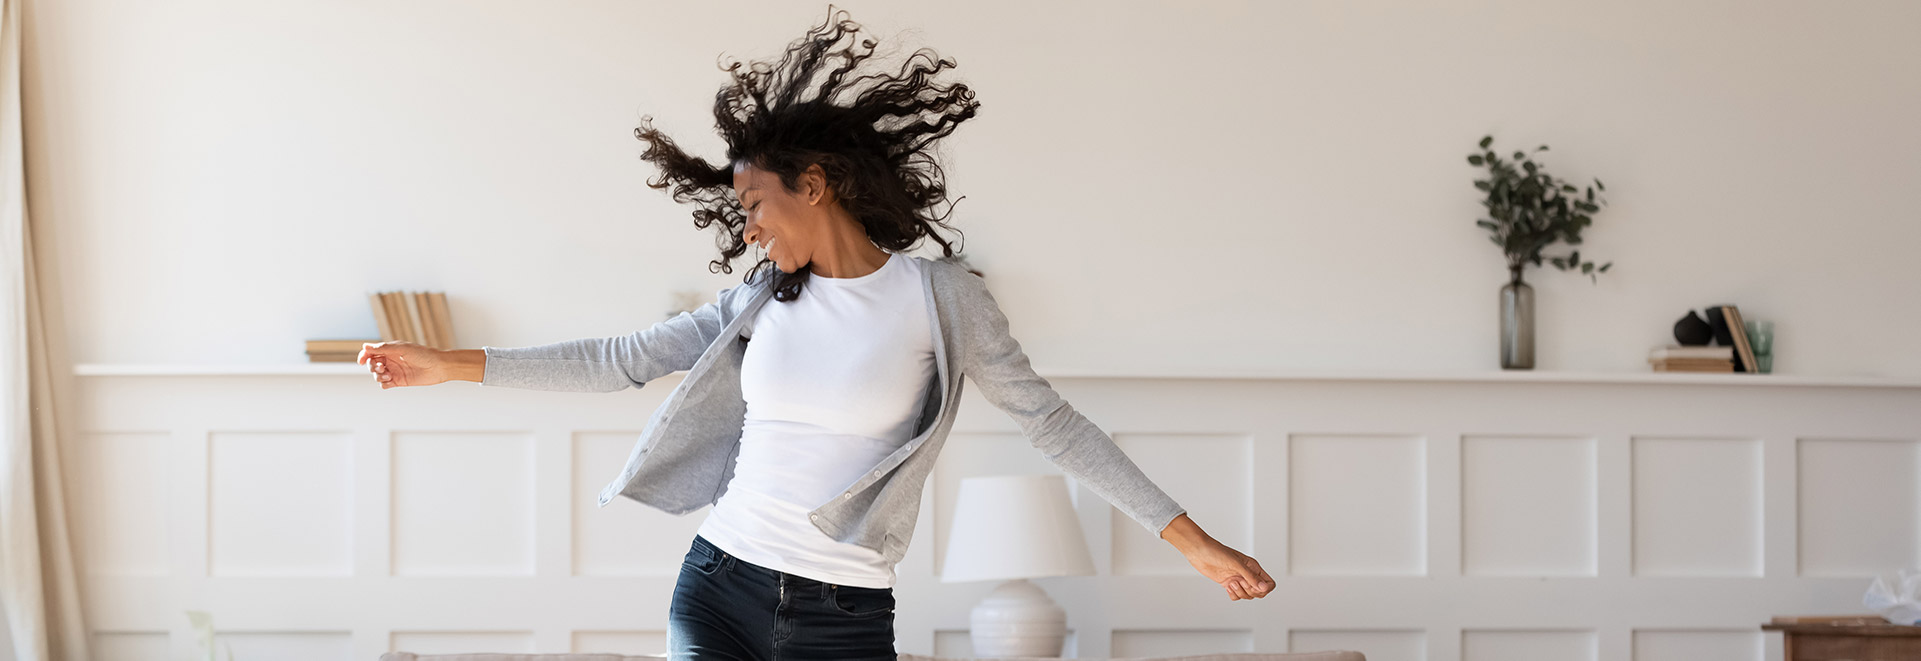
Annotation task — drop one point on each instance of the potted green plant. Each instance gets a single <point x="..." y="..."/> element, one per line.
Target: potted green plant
<point x="1528" y="212"/>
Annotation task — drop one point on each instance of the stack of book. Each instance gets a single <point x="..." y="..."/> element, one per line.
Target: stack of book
<point x="1676" y="358"/>
<point x="1730" y="352"/>
<point x="417" y="317"/>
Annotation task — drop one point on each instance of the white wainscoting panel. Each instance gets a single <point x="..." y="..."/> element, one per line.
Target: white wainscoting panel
<point x="1357" y="506"/>
<point x="1165" y="642"/>
<point x="1520" y="645"/>
<point x="1487" y="517"/>
<point x="1696" y="645"/>
<point x="130" y="646"/>
<point x="1697" y="507"/>
<point x="1528" y="506"/>
<point x="282" y="504"/>
<point x="1376" y="645"/>
<point x="463" y="504"/>
<point x="284" y="645"/>
<point x="463" y="642"/>
<point x="124" y="504"/>
<point x="1860" y="505"/>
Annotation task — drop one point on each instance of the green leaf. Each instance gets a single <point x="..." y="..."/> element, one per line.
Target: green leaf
<point x="1474" y="159"/>
<point x="1482" y="185"/>
<point x="1574" y="257"/>
<point x="1543" y="148"/>
<point x="1587" y="268"/>
<point x="1598" y="184"/>
<point x="1519" y="155"/>
<point x="1529" y="166"/>
<point x="1486" y="140"/>
<point x="1604" y="267"/>
<point x="1487" y="224"/>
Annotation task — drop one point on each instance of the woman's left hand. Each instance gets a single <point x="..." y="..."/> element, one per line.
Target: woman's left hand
<point x="1237" y="573"/>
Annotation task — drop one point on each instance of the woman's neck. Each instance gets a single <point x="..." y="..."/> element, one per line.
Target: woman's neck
<point x="847" y="252"/>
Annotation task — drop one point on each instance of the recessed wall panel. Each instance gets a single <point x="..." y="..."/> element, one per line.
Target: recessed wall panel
<point x="280" y="504"/>
<point x="1658" y="645"/>
<point x="1528" y="645"/>
<point x="1697" y="507"/>
<point x="1375" y="645"/>
<point x="463" y="504"/>
<point x="461" y="642"/>
<point x="1180" y="642"/>
<point x="129" y="646"/>
<point x="123" y="499"/>
<point x="1860" y="506"/>
<point x="1357" y="505"/>
<point x="285" y="646"/>
<point x="1527" y="506"/>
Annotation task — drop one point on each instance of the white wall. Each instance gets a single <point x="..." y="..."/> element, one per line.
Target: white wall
<point x="224" y="180"/>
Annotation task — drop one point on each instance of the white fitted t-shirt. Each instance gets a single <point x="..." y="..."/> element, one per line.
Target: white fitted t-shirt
<point x="833" y="382"/>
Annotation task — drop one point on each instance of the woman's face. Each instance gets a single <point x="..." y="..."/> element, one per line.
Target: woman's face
<point x="784" y="223"/>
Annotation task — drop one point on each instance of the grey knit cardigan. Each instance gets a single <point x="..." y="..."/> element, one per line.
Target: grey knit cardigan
<point x="685" y="455"/>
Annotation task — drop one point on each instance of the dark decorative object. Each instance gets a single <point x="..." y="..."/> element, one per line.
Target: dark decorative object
<point x="1529" y="213"/>
<point x="1693" y="331"/>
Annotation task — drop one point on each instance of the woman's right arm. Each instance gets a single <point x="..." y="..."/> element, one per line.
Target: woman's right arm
<point x="601" y="364"/>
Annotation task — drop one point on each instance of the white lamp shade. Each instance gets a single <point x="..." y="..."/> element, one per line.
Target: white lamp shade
<point x="1015" y="526"/>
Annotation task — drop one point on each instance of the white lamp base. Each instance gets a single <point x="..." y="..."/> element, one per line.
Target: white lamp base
<point x="1018" y="619"/>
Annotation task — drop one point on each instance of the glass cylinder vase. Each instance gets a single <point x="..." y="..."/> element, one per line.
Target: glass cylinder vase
<point x="1517" y="326"/>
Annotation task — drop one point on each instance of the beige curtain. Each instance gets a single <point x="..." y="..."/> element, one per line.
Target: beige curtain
<point x="39" y="590"/>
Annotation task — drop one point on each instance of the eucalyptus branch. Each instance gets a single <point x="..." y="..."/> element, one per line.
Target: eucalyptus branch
<point x="1528" y="211"/>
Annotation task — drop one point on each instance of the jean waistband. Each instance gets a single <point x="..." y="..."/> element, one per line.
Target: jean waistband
<point x="735" y="562"/>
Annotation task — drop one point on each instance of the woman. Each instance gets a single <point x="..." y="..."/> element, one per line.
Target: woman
<point x="811" y="425"/>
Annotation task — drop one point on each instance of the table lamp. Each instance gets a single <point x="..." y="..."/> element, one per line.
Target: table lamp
<point x="1012" y="528"/>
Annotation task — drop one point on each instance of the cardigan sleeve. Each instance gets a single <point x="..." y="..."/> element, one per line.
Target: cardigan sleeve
<point x="993" y="360"/>
<point x="609" y="364"/>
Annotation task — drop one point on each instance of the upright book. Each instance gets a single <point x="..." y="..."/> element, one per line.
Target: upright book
<point x="1741" y="346"/>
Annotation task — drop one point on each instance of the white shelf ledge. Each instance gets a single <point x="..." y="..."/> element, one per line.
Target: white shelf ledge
<point x="1502" y="376"/>
<point x="173" y="369"/>
<point x="1463" y="376"/>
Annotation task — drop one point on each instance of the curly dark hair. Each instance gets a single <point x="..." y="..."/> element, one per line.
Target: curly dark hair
<point x="871" y="133"/>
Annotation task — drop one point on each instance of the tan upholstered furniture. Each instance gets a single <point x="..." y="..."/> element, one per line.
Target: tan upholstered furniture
<point x="1299" y="656"/>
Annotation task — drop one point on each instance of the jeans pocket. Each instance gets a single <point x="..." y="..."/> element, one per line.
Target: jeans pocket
<point x="861" y="602"/>
<point x="702" y="558"/>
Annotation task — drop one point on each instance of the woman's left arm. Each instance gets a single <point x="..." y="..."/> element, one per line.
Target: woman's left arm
<point x="993" y="360"/>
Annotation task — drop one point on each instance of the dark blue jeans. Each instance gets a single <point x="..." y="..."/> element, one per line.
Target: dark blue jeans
<point x="728" y="608"/>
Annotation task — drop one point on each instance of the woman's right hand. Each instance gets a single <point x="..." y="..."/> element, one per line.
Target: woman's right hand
<point x="401" y="363"/>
